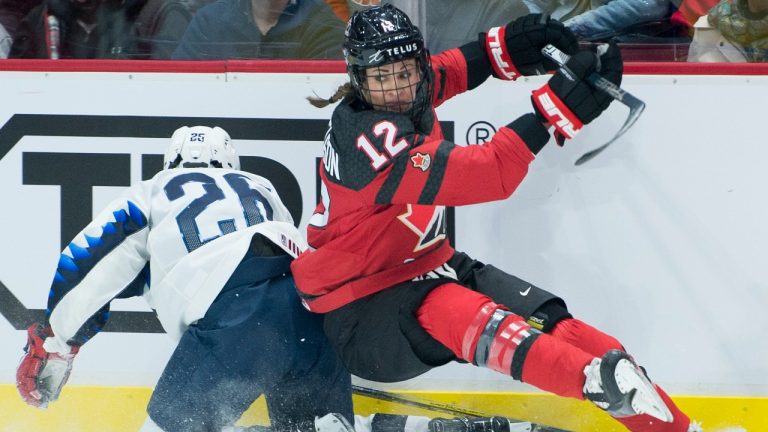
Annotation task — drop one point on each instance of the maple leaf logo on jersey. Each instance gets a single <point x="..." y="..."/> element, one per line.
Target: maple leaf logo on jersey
<point x="421" y="161"/>
<point x="428" y="222"/>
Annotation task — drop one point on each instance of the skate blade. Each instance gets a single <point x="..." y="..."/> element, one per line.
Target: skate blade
<point x="645" y="400"/>
<point x="520" y="427"/>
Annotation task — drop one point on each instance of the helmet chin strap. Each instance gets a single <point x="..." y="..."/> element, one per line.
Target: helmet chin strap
<point x="175" y="162"/>
<point x="198" y="165"/>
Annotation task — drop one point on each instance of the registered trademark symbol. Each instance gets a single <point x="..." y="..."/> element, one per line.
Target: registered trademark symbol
<point x="480" y="132"/>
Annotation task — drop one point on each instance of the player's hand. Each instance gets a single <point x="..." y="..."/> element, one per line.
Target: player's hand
<point x="568" y="101"/>
<point x="515" y="50"/>
<point x="41" y="374"/>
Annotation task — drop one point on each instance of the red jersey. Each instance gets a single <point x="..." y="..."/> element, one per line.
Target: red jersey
<point x="385" y="185"/>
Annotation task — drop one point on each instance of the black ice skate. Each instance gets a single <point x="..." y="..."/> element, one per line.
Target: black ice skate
<point x="617" y="385"/>
<point x="478" y="424"/>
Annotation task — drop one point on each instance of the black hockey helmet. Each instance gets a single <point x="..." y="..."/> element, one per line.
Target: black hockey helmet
<point x="380" y="35"/>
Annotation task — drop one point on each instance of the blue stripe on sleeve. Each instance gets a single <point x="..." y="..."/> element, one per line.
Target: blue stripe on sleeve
<point x="72" y="270"/>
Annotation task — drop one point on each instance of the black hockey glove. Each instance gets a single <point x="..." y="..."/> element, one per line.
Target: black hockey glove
<point x="568" y="101"/>
<point x="515" y="50"/>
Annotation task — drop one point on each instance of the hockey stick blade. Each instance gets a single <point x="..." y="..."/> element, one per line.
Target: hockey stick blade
<point x="515" y="424"/>
<point x="635" y="105"/>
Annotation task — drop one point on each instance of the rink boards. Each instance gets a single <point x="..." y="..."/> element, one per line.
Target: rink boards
<point x="659" y="241"/>
<point x="99" y="409"/>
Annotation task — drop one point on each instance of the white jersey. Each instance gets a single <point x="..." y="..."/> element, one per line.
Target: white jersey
<point x="192" y="226"/>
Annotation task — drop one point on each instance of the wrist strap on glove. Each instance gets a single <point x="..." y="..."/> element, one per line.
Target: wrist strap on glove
<point x="551" y="109"/>
<point x="498" y="53"/>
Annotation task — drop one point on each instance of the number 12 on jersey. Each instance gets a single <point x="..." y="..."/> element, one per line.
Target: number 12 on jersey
<point x="389" y="131"/>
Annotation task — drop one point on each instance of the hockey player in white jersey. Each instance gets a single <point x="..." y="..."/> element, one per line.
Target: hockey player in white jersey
<point x="217" y="243"/>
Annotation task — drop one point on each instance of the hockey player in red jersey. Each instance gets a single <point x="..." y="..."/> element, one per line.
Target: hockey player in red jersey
<point x="398" y="299"/>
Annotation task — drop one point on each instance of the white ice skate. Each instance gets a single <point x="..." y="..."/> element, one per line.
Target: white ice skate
<point x="617" y="385"/>
<point x="333" y="423"/>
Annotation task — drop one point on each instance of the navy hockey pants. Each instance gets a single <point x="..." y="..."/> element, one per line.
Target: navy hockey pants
<point x="256" y="338"/>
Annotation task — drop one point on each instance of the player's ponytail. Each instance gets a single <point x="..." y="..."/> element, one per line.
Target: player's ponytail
<point x="341" y="92"/>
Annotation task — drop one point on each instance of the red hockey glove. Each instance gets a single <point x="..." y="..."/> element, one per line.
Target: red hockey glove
<point x="568" y="101"/>
<point x="41" y="374"/>
<point x="515" y="50"/>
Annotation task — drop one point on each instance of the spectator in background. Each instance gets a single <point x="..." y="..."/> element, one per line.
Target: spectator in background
<point x="689" y="11"/>
<point x="5" y="42"/>
<point x="263" y="29"/>
<point x="340" y="8"/>
<point x="732" y="31"/>
<point x="11" y="14"/>
<point x="602" y="19"/>
<point x="451" y="23"/>
<point x="345" y="8"/>
<point x="161" y="24"/>
<point x="82" y="29"/>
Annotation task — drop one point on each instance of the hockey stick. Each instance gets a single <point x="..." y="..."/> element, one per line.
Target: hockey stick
<point x="635" y="105"/>
<point x="447" y="409"/>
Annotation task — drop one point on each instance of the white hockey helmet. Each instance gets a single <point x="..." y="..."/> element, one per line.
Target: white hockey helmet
<point x="201" y="147"/>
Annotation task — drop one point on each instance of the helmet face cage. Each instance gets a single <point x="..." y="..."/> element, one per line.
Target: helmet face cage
<point x="387" y="63"/>
<point x="201" y="147"/>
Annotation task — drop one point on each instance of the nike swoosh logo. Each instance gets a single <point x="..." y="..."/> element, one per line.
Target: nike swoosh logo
<point x="525" y="293"/>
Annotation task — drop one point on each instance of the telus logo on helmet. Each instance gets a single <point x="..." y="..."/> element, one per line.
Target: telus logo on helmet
<point x="396" y="51"/>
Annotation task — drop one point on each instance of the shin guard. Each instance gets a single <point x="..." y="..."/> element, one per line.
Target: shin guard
<point x="480" y="331"/>
<point x="501" y="340"/>
<point x="508" y="345"/>
<point x="509" y="348"/>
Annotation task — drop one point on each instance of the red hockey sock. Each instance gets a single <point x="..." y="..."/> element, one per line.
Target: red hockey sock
<point x="646" y="423"/>
<point x="584" y="336"/>
<point x="556" y="367"/>
<point x="455" y="316"/>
